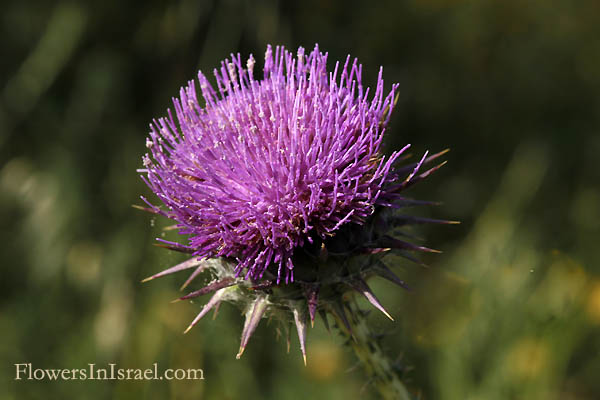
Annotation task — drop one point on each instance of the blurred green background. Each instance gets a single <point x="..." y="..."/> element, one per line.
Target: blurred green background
<point x="511" y="310"/>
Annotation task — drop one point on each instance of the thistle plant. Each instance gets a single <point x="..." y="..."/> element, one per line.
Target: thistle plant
<point x="287" y="201"/>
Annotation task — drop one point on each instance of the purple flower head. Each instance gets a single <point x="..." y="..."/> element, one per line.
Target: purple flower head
<point x="286" y="170"/>
<point x="271" y="162"/>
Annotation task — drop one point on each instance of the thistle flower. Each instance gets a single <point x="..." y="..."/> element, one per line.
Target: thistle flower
<point x="281" y="187"/>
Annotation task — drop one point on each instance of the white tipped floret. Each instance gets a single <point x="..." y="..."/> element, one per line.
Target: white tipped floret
<point x="300" y="54"/>
<point x="232" y="74"/>
<point x="250" y="64"/>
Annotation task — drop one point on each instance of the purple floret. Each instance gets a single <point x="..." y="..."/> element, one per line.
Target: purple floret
<point x="268" y="163"/>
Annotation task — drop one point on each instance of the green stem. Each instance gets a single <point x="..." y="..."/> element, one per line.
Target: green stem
<point x="373" y="359"/>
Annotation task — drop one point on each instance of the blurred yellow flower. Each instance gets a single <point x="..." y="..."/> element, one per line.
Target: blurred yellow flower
<point x="593" y="302"/>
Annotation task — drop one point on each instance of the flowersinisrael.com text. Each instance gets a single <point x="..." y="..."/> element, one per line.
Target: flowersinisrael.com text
<point x="26" y="371"/>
